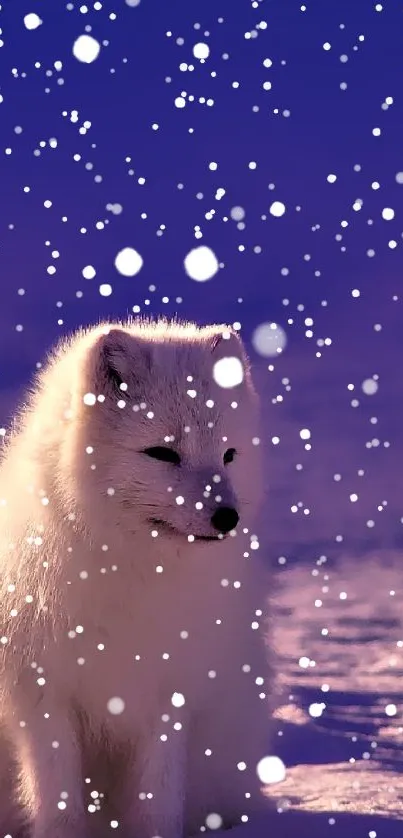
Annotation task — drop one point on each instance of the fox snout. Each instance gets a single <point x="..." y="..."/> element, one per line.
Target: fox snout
<point x="225" y="519"/>
<point x="222" y="504"/>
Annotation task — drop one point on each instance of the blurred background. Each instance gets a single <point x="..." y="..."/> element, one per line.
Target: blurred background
<point x="269" y="133"/>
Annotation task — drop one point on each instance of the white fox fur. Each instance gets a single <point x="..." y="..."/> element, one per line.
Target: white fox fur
<point x="94" y="605"/>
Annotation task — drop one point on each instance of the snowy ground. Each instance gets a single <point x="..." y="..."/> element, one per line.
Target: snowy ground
<point x="344" y="769"/>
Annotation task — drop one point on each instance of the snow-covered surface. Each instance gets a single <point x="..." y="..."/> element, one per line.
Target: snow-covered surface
<point x="344" y="768"/>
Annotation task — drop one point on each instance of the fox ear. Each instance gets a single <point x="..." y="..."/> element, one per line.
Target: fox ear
<point x="227" y="343"/>
<point x="119" y="358"/>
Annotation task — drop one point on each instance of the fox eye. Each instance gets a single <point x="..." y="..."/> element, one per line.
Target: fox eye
<point x="229" y="456"/>
<point x="160" y="452"/>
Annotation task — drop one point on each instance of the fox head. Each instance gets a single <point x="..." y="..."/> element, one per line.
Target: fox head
<point x="162" y="432"/>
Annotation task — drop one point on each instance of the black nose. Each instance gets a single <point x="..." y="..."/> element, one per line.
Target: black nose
<point x="225" y="519"/>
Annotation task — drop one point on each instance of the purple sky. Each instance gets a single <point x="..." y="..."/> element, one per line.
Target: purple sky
<point x="317" y="119"/>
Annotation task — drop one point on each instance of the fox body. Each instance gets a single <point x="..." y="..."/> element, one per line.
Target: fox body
<point x="134" y="675"/>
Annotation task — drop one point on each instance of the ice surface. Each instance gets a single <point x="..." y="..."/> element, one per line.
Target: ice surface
<point x="343" y="768"/>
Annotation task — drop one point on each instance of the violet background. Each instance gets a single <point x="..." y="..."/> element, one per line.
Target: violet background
<point x="329" y="130"/>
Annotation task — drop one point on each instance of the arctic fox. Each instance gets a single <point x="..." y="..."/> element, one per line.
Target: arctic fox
<point x="134" y="676"/>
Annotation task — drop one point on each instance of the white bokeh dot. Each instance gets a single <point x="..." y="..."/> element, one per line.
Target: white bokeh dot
<point x="86" y="49"/>
<point x="269" y="339"/>
<point x="201" y="263"/>
<point x="214" y="821"/>
<point x="116" y="705"/>
<point x="369" y="386"/>
<point x="316" y="709"/>
<point x="128" y="261"/>
<point x="32" y="21"/>
<point x="201" y="50"/>
<point x="228" y="372"/>
<point x="270" y="770"/>
<point x="177" y="699"/>
<point x="237" y="213"/>
<point x="390" y="710"/>
<point x="277" y="209"/>
<point x="88" y="272"/>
